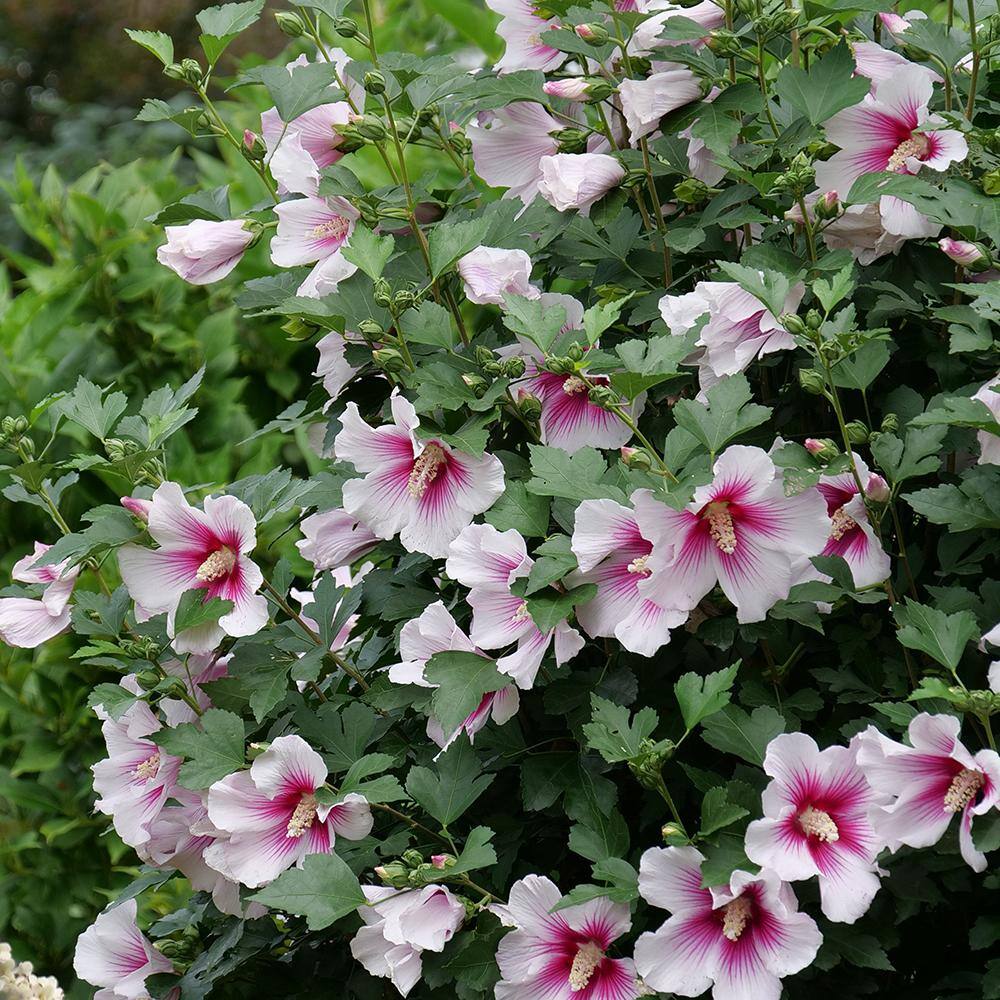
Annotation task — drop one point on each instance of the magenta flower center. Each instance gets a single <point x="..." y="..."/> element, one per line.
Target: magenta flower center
<point x="917" y="145"/>
<point x="149" y="768"/>
<point x="720" y="526"/>
<point x="426" y="468"/>
<point x="842" y="524"/>
<point x="638" y="566"/>
<point x="573" y="385"/>
<point x="963" y="789"/>
<point x="303" y="817"/>
<point x="220" y="563"/>
<point x="819" y="824"/>
<point x="588" y="957"/>
<point x="735" y="917"/>
<point x="333" y="229"/>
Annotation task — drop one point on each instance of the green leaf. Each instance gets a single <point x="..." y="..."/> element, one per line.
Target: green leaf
<point x="959" y="411"/>
<point x="156" y="42"/>
<point x="828" y="86"/>
<point x="462" y="679"/>
<point x="862" y="950"/>
<point x="731" y="730"/>
<point x="262" y="672"/>
<point x="526" y="512"/>
<point x="770" y="288"/>
<point x="453" y="785"/>
<point x="470" y="20"/>
<point x="555" y="561"/>
<point x="540" y="323"/>
<point x="700" y="697"/>
<point x="302" y="89"/>
<point x="213" y="751"/>
<point x="113" y="698"/>
<point x="717" y="812"/>
<point x="599" y="842"/>
<point x="613" y="734"/>
<point x="575" y="477"/>
<point x="831" y="293"/>
<point x="971" y="504"/>
<point x="88" y="407"/>
<point x="370" y="252"/>
<point x="728" y="415"/>
<point x="194" y="610"/>
<point x="323" y="890"/>
<point x="549" y="608"/>
<point x="230" y="18"/>
<point x="939" y="635"/>
<point x="429" y="324"/>
<point x="448" y="241"/>
<point x="344" y="734"/>
<point x="477" y="852"/>
<point x="916" y="456"/>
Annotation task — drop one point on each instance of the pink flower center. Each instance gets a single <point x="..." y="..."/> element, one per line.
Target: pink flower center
<point x="220" y="563"/>
<point x="720" y="526"/>
<point x="426" y="468"/>
<point x="574" y="385"/>
<point x="333" y="229"/>
<point x="917" y="145"/>
<point x="963" y="789"/>
<point x="149" y="768"/>
<point x="303" y="817"/>
<point x="735" y="917"/>
<point x="588" y="957"/>
<point x="638" y="566"/>
<point x="842" y="524"/>
<point x="819" y="824"/>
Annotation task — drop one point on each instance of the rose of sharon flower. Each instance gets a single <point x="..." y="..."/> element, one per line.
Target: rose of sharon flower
<point x="523" y="30"/>
<point x="891" y="130"/>
<point x="645" y="102"/>
<point x="989" y="444"/>
<point x="741" y="939"/>
<point x="202" y="252"/>
<point x="577" y="180"/>
<point x="136" y="778"/>
<point x="928" y="783"/>
<point x="199" y="549"/>
<point x="488" y="561"/>
<point x="422" y="489"/>
<point x="489" y="273"/>
<point x="399" y="926"/>
<point x="612" y="553"/>
<point x="25" y="622"/>
<point x="114" y="954"/>
<point x="816" y="823"/>
<point x="646" y="37"/>
<point x="334" y="538"/>
<point x="333" y="367"/>
<point x="313" y="231"/>
<point x="739" y="328"/>
<point x="562" y="955"/>
<point x="739" y="531"/>
<point x="272" y="817"/>
<point x="435" y="631"/>
<point x="880" y="64"/>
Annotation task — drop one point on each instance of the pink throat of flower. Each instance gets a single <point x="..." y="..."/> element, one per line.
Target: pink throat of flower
<point x="333" y="229"/>
<point x="219" y="564"/>
<point x="588" y="957"/>
<point x="735" y="917"/>
<point x="918" y="145"/>
<point x="720" y="526"/>
<point x="964" y="787"/>
<point x="819" y="824"/>
<point x="303" y="817"/>
<point x="149" y="768"/>
<point x="425" y="469"/>
<point x="842" y="524"/>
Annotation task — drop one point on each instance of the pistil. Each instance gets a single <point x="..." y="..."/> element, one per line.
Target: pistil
<point x="585" y="962"/>
<point x="425" y="469"/>
<point x="819" y="824"/>
<point x="220" y="563"/>
<point x="303" y="817"/>
<point x="917" y="145"/>
<point x="735" y="917"/>
<point x="842" y="524"/>
<point x="963" y="789"/>
<point x="720" y="526"/>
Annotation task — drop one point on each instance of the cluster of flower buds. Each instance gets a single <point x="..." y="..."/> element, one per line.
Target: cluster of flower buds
<point x="182" y="949"/>
<point x="797" y="179"/>
<point x="13" y="432"/>
<point x="724" y="43"/>
<point x="647" y="765"/>
<point x="186" y="71"/>
<point x="412" y="871"/>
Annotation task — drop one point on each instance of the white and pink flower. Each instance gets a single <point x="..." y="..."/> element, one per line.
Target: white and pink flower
<point x="859" y="229"/>
<point x="272" y="817"/>
<point x="489" y="273"/>
<point x="26" y="622"/>
<point x="523" y="31"/>
<point x="646" y="37"/>
<point x="422" y="489"/>
<point x="741" y="939"/>
<point x="879" y="64"/>
<point x="578" y="180"/>
<point x="115" y="955"/>
<point x="891" y="130"/>
<point x="314" y="231"/>
<point x="989" y="443"/>
<point x="198" y="550"/>
<point x="202" y="251"/>
<point x="334" y="538"/>
<point x="561" y="955"/>
<point x="488" y="562"/>
<point x="739" y="531"/>
<point x="927" y="784"/>
<point x="612" y="553"/>
<point x="333" y="367"/>
<point x="816" y="823"/>
<point x="644" y="102"/>
<point x="400" y="926"/>
<point x="436" y="631"/>
<point x="137" y="778"/>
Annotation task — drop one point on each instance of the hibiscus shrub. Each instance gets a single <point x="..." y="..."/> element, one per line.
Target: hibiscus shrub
<point x="636" y="637"/>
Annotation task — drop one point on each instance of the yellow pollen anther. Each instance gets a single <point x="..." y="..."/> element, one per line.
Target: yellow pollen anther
<point x="638" y="566"/>
<point x="219" y="563"/>
<point x="587" y="959"/>
<point x="336" y="228"/>
<point x="574" y="384"/>
<point x="720" y="526"/>
<point x="426" y="468"/>
<point x="735" y="917"/>
<point x="842" y="524"/>
<point x="303" y="817"/>
<point x="522" y="612"/>
<point x="149" y="768"/>
<point x="963" y="789"/>
<point x="819" y="824"/>
<point x="917" y="145"/>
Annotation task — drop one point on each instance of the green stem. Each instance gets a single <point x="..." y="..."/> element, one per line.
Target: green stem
<point x="974" y="80"/>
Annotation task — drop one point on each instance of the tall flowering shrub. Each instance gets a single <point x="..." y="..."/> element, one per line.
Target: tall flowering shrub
<point x="636" y="637"/>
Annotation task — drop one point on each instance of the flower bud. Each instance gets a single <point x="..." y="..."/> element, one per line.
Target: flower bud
<point x="147" y="679"/>
<point x="827" y="206"/>
<point x="402" y="300"/>
<point x="571" y="89"/>
<point x="692" y="191"/>
<point x="972" y="256"/>
<point x="793" y="324"/>
<point x="27" y="446"/>
<point x="529" y="406"/>
<point x="561" y="366"/>
<point x="725" y="43"/>
<point x="822" y="448"/>
<point x="575" y="352"/>
<point x="672" y="832"/>
<point x="290" y="24"/>
<point x="427" y="114"/>
<point x="389" y="359"/>
<point x="136" y="507"/>
<point x="346" y="27"/>
<point x="443" y="861"/>
<point x="382" y="293"/>
<point x="813" y="319"/>
<point x="483" y="355"/>
<point x="604" y="396"/>
<point x="636" y="458"/>
<point x="371" y="128"/>
<point x="254" y="147"/>
<point x="571" y="140"/>
<point x="191" y="71"/>
<point x="592" y="34"/>
<point x="812" y="381"/>
<point x="395" y="874"/>
<point x="877" y="489"/>
<point x="371" y="329"/>
<point x="492" y="368"/>
<point x="20" y="425"/>
<point x="374" y="82"/>
<point x="297" y="329"/>
<point x="477" y="384"/>
<point x="512" y="367"/>
<point x="890" y="423"/>
<point x="857" y="432"/>
<point x="991" y="182"/>
<point x="174" y="71"/>
<point x="460" y="142"/>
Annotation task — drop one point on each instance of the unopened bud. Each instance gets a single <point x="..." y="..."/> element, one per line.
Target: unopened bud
<point x="371" y="329"/>
<point x="592" y="34"/>
<point x="443" y="861"/>
<point x="512" y="367"/>
<point x="382" y="293"/>
<point x="374" y="82"/>
<point x="572" y="89"/>
<point x="346" y="27"/>
<point x="137" y="507"/>
<point x="604" y="396"/>
<point x="492" y="368"/>
<point x="795" y="325"/>
<point x="672" y="832"/>
<point x="412" y="857"/>
<point x="827" y="206"/>
<point x="857" y="432"/>
<point x="636" y="458"/>
<point x="890" y="423"/>
<point x="147" y="679"/>
<point x="692" y="191"/>
<point x="403" y="299"/>
<point x="290" y="24"/>
<point x="459" y="142"/>
<point x="191" y="71"/>
<point x="254" y="147"/>
<point x="477" y="384"/>
<point x="812" y="381"/>
<point x="971" y="256"/>
<point x="20" y="425"/>
<point x="175" y="71"/>
<point x="561" y="366"/>
<point x="389" y="359"/>
<point x="575" y="352"/>
<point x="571" y="140"/>
<point x="813" y="319"/>
<point x="725" y="43"/>
<point x="371" y="128"/>
<point x="483" y="355"/>
<point x="991" y="182"/>
<point x="877" y="489"/>
<point x="529" y="406"/>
